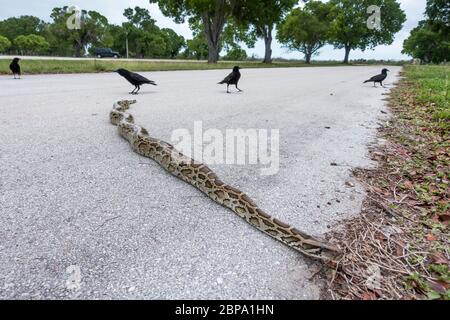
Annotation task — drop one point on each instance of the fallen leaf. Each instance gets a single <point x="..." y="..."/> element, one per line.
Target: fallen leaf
<point x="378" y="190"/>
<point x="408" y="185"/>
<point x="431" y="237"/>
<point x="369" y="296"/>
<point x="437" y="287"/>
<point x="445" y="218"/>
<point x="349" y="184"/>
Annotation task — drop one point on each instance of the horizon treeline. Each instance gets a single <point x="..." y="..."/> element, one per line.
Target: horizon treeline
<point x="222" y="26"/>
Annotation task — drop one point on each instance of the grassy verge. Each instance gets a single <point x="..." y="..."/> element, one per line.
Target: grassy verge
<point x="399" y="247"/>
<point x="93" y="66"/>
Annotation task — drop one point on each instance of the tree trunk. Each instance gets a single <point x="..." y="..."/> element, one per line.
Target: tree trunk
<point x="78" y="48"/>
<point x="213" y="28"/>
<point x="213" y="51"/>
<point x="347" y="53"/>
<point x="268" y="44"/>
<point x="308" y="58"/>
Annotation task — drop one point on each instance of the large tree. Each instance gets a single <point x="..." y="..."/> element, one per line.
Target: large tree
<point x="349" y="29"/>
<point x="438" y="14"/>
<point x="197" y="47"/>
<point x="5" y="44"/>
<point x="145" y="37"/>
<point x="262" y="16"/>
<point x="23" y="25"/>
<point x="93" y="30"/>
<point x="31" y="44"/>
<point x="306" y="29"/>
<point x="213" y="15"/>
<point x="430" y="41"/>
<point x="174" y="42"/>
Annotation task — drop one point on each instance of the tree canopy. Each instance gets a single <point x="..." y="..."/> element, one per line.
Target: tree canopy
<point x="31" y="44"/>
<point x="24" y="25"/>
<point x="212" y="14"/>
<point x="349" y="29"/>
<point x="93" y="31"/>
<point x="225" y="25"/>
<point x="430" y="40"/>
<point x="140" y="31"/>
<point x="5" y="44"/>
<point x="306" y="29"/>
<point x="261" y="16"/>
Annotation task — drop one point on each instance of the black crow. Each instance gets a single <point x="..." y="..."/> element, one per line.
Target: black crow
<point x="135" y="79"/>
<point x="15" y="68"/>
<point x="378" y="78"/>
<point x="232" y="78"/>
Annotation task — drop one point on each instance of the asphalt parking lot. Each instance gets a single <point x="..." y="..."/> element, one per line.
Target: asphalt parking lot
<point x="75" y="200"/>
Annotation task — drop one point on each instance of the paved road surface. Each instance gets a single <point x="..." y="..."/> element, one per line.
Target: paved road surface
<point x="76" y="201"/>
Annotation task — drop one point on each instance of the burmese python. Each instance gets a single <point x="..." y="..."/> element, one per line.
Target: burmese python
<point x="201" y="177"/>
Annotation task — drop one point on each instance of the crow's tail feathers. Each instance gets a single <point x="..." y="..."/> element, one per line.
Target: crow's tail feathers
<point x="221" y="82"/>
<point x="367" y="81"/>
<point x="152" y="83"/>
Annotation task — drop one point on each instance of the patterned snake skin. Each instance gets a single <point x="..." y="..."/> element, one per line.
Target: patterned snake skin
<point x="201" y="177"/>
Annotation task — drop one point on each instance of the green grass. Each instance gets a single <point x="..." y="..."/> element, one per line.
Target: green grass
<point x="432" y="91"/>
<point x="94" y="66"/>
<point x="423" y="117"/>
<point x="432" y="85"/>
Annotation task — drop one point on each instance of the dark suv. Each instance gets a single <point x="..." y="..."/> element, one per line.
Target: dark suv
<point x="106" y="53"/>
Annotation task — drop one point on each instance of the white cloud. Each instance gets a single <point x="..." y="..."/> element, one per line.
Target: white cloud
<point x="113" y="10"/>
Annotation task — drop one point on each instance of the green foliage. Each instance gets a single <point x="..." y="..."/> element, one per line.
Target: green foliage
<point x="182" y="10"/>
<point x="430" y="41"/>
<point x="31" y="44"/>
<point x="260" y="18"/>
<point x="197" y="47"/>
<point x="433" y="89"/>
<point x="93" y="32"/>
<point x="235" y="33"/>
<point x="213" y="15"/>
<point x="13" y="27"/>
<point x="236" y="54"/>
<point x="262" y="13"/>
<point x="427" y="45"/>
<point x="145" y="38"/>
<point x="140" y="18"/>
<point x="438" y="13"/>
<point x="307" y="29"/>
<point x="174" y="42"/>
<point x="5" y="44"/>
<point x="349" y="27"/>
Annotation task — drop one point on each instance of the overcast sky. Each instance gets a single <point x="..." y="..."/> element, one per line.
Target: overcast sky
<point x="113" y="10"/>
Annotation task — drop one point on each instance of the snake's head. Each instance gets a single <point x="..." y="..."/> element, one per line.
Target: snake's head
<point x="126" y="103"/>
